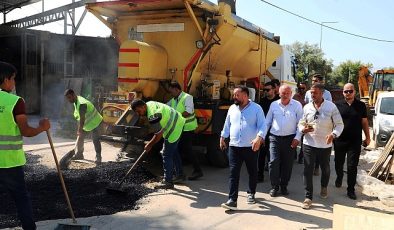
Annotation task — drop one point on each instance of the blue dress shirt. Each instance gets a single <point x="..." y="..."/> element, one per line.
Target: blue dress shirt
<point x="242" y="126"/>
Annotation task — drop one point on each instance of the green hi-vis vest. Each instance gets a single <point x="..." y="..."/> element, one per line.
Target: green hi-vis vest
<point x="171" y="121"/>
<point x="191" y="121"/>
<point x="92" y="116"/>
<point x="11" y="141"/>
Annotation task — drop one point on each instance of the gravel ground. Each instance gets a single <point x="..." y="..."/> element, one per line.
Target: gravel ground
<point x="86" y="184"/>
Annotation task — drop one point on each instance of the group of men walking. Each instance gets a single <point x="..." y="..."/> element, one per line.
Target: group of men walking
<point x="310" y="117"/>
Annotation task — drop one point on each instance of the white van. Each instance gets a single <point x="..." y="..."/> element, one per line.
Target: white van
<point x="383" y="119"/>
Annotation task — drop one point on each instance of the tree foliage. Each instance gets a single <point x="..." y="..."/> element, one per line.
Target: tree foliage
<point x="346" y="72"/>
<point x="310" y="60"/>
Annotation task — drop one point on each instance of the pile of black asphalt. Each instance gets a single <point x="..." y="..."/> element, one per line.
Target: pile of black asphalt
<point x="86" y="187"/>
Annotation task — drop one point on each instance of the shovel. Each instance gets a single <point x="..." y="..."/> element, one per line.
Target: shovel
<point x="117" y="188"/>
<point x="66" y="159"/>
<point x="65" y="226"/>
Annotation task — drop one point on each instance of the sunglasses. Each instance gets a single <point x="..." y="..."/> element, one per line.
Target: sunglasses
<point x="316" y="115"/>
<point x="266" y="90"/>
<point x="348" y="91"/>
<point x="301" y="88"/>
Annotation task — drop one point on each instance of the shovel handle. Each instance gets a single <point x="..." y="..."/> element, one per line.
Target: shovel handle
<point x="61" y="178"/>
<point x="133" y="166"/>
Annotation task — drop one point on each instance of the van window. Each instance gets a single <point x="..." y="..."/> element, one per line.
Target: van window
<point x="387" y="105"/>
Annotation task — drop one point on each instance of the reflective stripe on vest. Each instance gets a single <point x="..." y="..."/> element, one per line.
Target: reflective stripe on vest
<point x="11" y="147"/>
<point x="11" y="142"/>
<point x="175" y="120"/>
<point x="11" y="138"/>
<point x="171" y="121"/>
<point x="191" y="121"/>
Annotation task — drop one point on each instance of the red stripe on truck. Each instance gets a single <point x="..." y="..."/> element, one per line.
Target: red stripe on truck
<point x="128" y="65"/>
<point x="129" y="50"/>
<point x="127" y="80"/>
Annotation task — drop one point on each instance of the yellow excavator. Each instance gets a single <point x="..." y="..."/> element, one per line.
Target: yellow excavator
<point x="370" y="86"/>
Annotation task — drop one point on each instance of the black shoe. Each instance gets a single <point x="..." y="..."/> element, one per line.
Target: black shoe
<point x="284" y="191"/>
<point x="274" y="192"/>
<point x="230" y="205"/>
<point x="178" y="179"/>
<point x="78" y="157"/>
<point x="195" y="175"/>
<point x="352" y="195"/>
<point x="338" y="182"/>
<point x="164" y="185"/>
<point x="250" y="199"/>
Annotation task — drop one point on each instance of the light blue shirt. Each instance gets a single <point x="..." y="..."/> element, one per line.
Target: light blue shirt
<point x="326" y="96"/>
<point x="242" y="126"/>
<point x="283" y="119"/>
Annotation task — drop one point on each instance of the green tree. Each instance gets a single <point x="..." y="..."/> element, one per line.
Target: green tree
<point x="310" y="60"/>
<point x="346" y="72"/>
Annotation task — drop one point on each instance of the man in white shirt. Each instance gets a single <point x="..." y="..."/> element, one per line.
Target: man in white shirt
<point x="317" y="79"/>
<point x="321" y="124"/>
<point x="282" y="118"/>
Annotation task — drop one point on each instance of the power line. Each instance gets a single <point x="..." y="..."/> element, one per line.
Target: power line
<point x="320" y="24"/>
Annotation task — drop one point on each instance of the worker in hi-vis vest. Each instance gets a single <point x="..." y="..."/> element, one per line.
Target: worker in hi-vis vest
<point x="183" y="103"/>
<point x="89" y="120"/>
<point x="171" y="127"/>
<point x="14" y="125"/>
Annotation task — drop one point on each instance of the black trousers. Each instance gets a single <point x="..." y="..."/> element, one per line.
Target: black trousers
<point x="352" y="150"/>
<point x="236" y="156"/>
<point x="13" y="179"/>
<point x="310" y="156"/>
<point x="186" y="150"/>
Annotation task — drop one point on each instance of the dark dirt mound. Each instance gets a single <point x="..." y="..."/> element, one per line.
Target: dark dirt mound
<point x="86" y="187"/>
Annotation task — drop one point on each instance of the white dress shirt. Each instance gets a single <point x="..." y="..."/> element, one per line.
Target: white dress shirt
<point x="283" y="119"/>
<point x="327" y="120"/>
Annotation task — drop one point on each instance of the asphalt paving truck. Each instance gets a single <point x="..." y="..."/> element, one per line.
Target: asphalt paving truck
<point x="204" y="46"/>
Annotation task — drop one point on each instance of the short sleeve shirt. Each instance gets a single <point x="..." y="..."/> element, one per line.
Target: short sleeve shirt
<point x="352" y="116"/>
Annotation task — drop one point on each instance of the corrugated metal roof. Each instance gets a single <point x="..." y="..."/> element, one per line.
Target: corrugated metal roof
<point x="8" y="5"/>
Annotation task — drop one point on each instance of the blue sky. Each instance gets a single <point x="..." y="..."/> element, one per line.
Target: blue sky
<point x="364" y="17"/>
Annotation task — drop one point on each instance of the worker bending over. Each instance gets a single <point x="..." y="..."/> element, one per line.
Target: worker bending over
<point x="171" y="124"/>
<point x="89" y="121"/>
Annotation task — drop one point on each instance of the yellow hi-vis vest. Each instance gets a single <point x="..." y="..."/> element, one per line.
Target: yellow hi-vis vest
<point x="92" y="116"/>
<point x="11" y="141"/>
<point x="171" y="121"/>
<point x="191" y="121"/>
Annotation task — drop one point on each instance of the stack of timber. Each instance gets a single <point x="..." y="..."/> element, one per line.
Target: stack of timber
<point x="382" y="167"/>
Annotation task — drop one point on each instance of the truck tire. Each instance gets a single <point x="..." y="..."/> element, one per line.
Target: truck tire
<point x="215" y="155"/>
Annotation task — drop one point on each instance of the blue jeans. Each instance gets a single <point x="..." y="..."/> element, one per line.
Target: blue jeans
<point x="237" y="155"/>
<point x="171" y="159"/>
<point x="281" y="160"/>
<point x="13" y="179"/>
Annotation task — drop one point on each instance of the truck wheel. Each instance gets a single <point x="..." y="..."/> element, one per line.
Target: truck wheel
<point x="215" y="156"/>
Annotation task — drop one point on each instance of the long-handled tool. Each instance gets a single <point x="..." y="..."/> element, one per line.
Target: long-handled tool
<point x="65" y="226"/>
<point x="117" y="188"/>
<point x="66" y="159"/>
